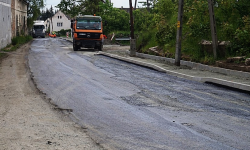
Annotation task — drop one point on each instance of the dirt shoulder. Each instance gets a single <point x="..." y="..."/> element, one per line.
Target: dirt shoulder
<point x="28" y="120"/>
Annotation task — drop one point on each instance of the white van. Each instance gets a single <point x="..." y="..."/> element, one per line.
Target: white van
<point x="38" y="29"/>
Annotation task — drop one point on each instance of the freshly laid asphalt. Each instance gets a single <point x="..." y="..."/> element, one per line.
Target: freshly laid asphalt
<point x="126" y="106"/>
<point x="188" y="70"/>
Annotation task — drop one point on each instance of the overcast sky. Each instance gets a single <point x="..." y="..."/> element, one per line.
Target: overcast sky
<point x="117" y="3"/>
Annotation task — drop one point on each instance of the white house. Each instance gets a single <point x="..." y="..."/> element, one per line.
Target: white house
<point x="59" y="21"/>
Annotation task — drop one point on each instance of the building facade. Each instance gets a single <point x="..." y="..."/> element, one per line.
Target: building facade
<point x="59" y="21"/>
<point x="19" y="17"/>
<point x="5" y="23"/>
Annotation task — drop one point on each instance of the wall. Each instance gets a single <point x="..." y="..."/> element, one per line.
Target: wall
<point x="5" y="23"/>
<point x="19" y="17"/>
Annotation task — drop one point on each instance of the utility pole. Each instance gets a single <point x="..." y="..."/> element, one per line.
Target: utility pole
<point x="213" y="27"/>
<point x="147" y="6"/>
<point x="51" y="24"/>
<point x="135" y="4"/>
<point x="132" y="36"/>
<point x="179" y="34"/>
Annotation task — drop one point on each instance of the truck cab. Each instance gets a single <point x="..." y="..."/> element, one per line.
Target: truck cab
<point x="87" y="32"/>
<point x="38" y="29"/>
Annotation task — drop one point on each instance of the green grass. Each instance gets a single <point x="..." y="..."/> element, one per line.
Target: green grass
<point x="16" y="42"/>
<point x="145" y="40"/>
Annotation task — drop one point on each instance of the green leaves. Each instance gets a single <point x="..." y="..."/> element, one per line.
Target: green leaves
<point x="33" y="10"/>
<point x="69" y="7"/>
<point x="116" y="19"/>
<point x="232" y="21"/>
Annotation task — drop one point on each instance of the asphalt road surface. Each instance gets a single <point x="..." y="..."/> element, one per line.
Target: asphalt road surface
<point x="125" y="106"/>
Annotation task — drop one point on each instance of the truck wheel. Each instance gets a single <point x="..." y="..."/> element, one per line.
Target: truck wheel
<point x="75" y="47"/>
<point x="100" y="48"/>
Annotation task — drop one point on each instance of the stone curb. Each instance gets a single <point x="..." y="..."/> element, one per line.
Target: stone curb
<point x="236" y="85"/>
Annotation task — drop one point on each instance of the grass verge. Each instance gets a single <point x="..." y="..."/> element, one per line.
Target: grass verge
<point x="16" y="42"/>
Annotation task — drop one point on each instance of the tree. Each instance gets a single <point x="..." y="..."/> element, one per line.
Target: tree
<point x="69" y="7"/>
<point x="51" y="11"/>
<point x="116" y="19"/>
<point x="33" y="11"/>
<point x="46" y="14"/>
<point x="89" y="7"/>
<point x="149" y="3"/>
<point x="79" y="7"/>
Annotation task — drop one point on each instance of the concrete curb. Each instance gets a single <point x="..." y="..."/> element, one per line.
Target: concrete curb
<point x="197" y="66"/>
<point x="236" y="85"/>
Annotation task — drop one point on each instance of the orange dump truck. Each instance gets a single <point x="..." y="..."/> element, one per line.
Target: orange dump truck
<point x="87" y="32"/>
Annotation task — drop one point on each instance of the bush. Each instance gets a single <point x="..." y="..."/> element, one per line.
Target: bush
<point x="114" y="19"/>
<point x="165" y="34"/>
<point x="145" y="40"/>
<point x="158" y="27"/>
<point x="14" y="41"/>
<point x="63" y="32"/>
<point x="20" y="40"/>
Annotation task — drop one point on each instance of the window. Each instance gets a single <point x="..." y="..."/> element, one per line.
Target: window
<point x="38" y="27"/>
<point x="89" y="23"/>
<point x="60" y="17"/>
<point x="59" y="24"/>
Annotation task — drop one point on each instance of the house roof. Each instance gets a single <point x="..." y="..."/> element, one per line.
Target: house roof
<point x="57" y="13"/>
<point x="62" y="13"/>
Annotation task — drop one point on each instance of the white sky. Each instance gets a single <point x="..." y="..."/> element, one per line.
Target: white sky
<point x="116" y="3"/>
